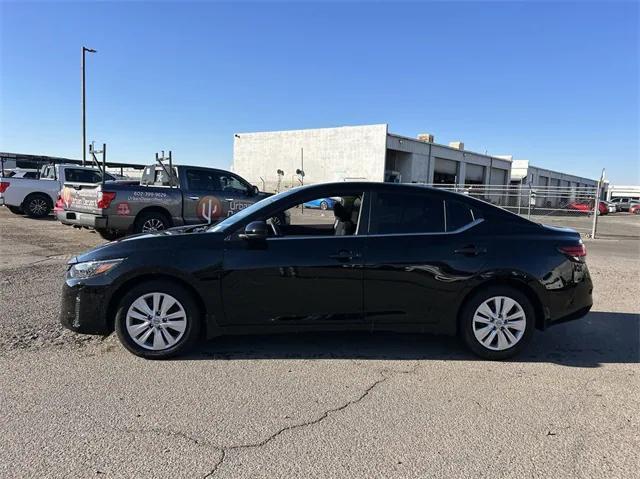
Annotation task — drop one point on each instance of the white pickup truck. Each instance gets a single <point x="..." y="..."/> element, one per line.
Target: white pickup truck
<point x="36" y="197"/>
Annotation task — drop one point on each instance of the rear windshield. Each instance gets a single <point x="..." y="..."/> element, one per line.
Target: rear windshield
<point x="157" y="176"/>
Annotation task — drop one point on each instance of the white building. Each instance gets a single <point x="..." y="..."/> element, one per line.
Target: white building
<point x="522" y="172"/>
<point x="367" y="152"/>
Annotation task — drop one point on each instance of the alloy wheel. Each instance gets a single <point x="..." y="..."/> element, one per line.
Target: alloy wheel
<point x="499" y="323"/>
<point x="37" y="206"/>
<point x="152" y="224"/>
<point x="156" y="321"/>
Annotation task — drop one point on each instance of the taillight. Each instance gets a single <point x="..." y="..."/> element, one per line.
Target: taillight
<point x="3" y="186"/>
<point x="105" y="199"/>
<point x="574" y="251"/>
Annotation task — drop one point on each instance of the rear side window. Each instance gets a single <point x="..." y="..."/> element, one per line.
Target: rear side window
<point x="406" y="213"/>
<point x="203" y="180"/>
<point x="460" y="214"/>
<point x="82" y="176"/>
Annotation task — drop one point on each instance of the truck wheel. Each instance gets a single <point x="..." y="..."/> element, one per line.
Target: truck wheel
<point x="109" y="235"/>
<point x="148" y="222"/>
<point x="16" y="210"/>
<point x="157" y="320"/>
<point x="37" y="205"/>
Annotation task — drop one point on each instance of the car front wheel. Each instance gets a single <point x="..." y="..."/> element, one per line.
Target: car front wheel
<point x="158" y="320"/>
<point x="497" y="322"/>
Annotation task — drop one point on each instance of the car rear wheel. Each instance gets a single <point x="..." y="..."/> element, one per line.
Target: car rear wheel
<point x="158" y="320"/>
<point x="16" y="210"/>
<point x="37" y="205"/>
<point x="151" y="221"/>
<point x="497" y="322"/>
<point x="324" y="205"/>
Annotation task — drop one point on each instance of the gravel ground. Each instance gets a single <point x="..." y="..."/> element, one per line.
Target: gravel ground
<point x="321" y="405"/>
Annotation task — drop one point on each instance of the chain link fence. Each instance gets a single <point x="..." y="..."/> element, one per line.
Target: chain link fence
<point x="571" y="206"/>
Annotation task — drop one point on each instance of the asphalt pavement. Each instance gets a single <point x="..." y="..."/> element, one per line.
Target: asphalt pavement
<point x="338" y="405"/>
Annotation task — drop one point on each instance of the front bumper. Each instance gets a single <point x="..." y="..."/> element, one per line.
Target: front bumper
<point x="84" y="309"/>
<point x="86" y="220"/>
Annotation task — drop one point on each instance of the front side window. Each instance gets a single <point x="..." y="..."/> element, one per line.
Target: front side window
<point x="393" y="212"/>
<point x="232" y="184"/>
<point x="322" y="216"/>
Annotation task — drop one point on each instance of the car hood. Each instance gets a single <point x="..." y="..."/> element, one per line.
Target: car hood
<point x="172" y="239"/>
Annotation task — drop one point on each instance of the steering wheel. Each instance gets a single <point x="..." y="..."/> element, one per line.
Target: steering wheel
<point x="274" y="226"/>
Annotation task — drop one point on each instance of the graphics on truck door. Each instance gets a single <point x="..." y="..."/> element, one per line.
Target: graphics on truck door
<point x="213" y="195"/>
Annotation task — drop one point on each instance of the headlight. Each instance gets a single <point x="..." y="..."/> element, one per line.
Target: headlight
<point x="90" y="269"/>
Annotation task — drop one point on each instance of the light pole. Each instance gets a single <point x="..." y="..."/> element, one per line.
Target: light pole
<point x="84" y="111"/>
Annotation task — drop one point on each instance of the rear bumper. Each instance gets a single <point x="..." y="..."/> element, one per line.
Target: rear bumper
<point x="572" y="303"/>
<point x="84" y="309"/>
<point x="85" y="220"/>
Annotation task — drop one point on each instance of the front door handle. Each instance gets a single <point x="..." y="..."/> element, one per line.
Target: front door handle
<point x="470" y="250"/>
<point x="344" y="255"/>
<point x="194" y="198"/>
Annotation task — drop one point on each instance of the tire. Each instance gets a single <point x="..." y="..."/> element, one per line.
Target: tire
<point x="110" y="235"/>
<point x="324" y="205"/>
<point x="127" y="323"/>
<point x="16" y="210"/>
<point x="37" y="205"/>
<point x="149" y="221"/>
<point x="497" y="343"/>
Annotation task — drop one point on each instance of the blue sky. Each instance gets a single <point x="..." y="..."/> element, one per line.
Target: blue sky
<point x="555" y="83"/>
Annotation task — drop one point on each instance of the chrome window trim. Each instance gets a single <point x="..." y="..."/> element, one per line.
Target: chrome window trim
<point x="459" y="230"/>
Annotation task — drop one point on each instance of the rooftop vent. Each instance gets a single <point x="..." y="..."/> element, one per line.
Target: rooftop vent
<point x="426" y="137"/>
<point x="458" y="145"/>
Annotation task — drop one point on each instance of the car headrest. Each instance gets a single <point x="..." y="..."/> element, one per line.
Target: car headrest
<point x="340" y="212"/>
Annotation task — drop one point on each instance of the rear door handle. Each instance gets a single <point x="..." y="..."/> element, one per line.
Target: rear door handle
<point x="470" y="250"/>
<point x="345" y="255"/>
<point x="194" y="198"/>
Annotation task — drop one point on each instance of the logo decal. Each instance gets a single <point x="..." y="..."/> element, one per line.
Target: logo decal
<point x="209" y="208"/>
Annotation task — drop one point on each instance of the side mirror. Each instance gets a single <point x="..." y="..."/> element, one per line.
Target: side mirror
<point x="256" y="230"/>
<point x="254" y="191"/>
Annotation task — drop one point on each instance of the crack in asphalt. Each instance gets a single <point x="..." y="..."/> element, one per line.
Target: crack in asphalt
<point x="305" y="424"/>
<point x="223" y="450"/>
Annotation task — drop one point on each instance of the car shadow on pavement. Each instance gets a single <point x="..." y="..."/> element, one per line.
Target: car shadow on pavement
<point x="599" y="338"/>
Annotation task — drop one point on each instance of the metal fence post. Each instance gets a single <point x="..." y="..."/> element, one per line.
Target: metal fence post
<point x="529" y="205"/>
<point x="596" y="206"/>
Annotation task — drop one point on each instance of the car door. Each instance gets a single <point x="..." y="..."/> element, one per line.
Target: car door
<point x="415" y="266"/>
<point x="236" y="193"/>
<point x="202" y="202"/>
<point x="306" y="277"/>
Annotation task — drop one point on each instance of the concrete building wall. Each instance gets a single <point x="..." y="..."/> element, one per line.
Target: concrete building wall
<point x="425" y="156"/>
<point x="356" y="153"/>
<point x="330" y="154"/>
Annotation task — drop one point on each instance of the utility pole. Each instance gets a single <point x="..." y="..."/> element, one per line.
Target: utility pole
<point x="84" y="107"/>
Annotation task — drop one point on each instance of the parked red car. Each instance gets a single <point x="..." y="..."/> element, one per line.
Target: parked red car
<point x="635" y="209"/>
<point x="587" y="207"/>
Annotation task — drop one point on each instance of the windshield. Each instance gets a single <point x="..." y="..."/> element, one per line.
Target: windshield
<point x="239" y="216"/>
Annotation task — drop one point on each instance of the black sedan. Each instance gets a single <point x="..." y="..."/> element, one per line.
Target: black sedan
<point x="387" y="257"/>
